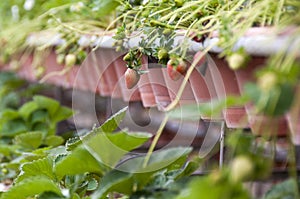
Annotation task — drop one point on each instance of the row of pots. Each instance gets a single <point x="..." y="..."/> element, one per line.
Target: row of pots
<point x="103" y="72"/>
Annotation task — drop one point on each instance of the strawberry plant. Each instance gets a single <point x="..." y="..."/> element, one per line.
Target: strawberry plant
<point x="26" y="125"/>
<point x="93" y="166"/>
<point x="99" y="164"/>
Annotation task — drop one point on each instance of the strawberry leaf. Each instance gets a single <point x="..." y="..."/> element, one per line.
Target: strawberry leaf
<point x="112" y="123"/>
<point x="77" y="162"/>
<point x="30" y="140"/>
<point x="109" y="148"/>
<point x="42" y="167"/>
<point x="31" y="187"/>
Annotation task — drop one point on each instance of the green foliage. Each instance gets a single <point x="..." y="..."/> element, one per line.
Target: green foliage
<point x="31" y="140"/>
<point x="132" y="172"/>
<point x="241" y="144"/>
<point x="207" y="187"/>
<point x="104" y="6"/>
<point x="41" y="114"/>
<point x="109" y="148"/>
<point x="274" y="102"/>
<point x="212" y="108"/>
<point x="40" y="167"/>
<point x="26" y="130"/>
<point x="284" y="190"/>
<point x="112" y="123"/>
<point x="97" y="163"/>
<point x="30" y="187"/>
<point x="77" y="162"/>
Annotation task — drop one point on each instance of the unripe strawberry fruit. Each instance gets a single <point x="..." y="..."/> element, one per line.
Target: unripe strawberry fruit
<point x="70" y="60"/>
<point x="39" y="71"/>
<point x="162" y="54"/>
<point x="131" y="78"/>
<point x="241" y="169"/>
<point x="127" y="57"/>
<point x="60" y="58"/>
<point x="236" y="61"/>
<point x="267" y="81"/>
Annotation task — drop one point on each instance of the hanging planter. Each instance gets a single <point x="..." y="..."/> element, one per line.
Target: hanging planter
<point x="145" y="88"/>
<point x="160" y="91"/>
<point x="226" y="85"/>
<point x="267" y="126"/>
<point x="293" y="118"/>
<point x="202" y="85"/>
<point x="173" y="88"/>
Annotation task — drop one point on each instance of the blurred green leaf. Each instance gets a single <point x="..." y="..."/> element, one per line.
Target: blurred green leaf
<point x="53" y="140"/>
<point x="31" y="187"/>
<point x="115" y="180"/>
<point x="77" y="162"/>
<point x="109" y="148"/>
<point x="28" y="108"/>
<point x="8" y="114"/>
<point x="92" y="184"/>
<point x="51" y="195"/>
<point x="212" y="108"/>
<point x="13" y="127"/>
<point x="284" y="190"/>
<point x="205" y="187"/>
<point x="274" y="102"/>
<point x="31" y="140"/>
<point x="159" y="160"/>
<point x="132" y="172"/>
<point x="104" y="7"/>
<point x="62" y="113"/>
<point x="47" y="103"/>
<point x="39" y="116"/>
<point x="112" y="123"/>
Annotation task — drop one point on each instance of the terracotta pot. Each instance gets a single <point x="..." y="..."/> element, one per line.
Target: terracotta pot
<point x="187" y="96"/>
<point x="25" y="69"/>
<point x="119" y="86"/>
<point x="203" y="88"/>
<point x="52" y="67"/>
<point x="92" y="74"/>
<point x="294" y="127"/>
<point x="226" y="85"/>
<point x="72" y="78"/>
<point x="159" y="88"/>
<point x="108" y="77"/>
<point x="266" y="126"/>
<point x="236" y="117"/>
<point x="259" y="124"/>
<point x="293" y="118"/>
<point x="145" y="88"/>
<point x="247" y="74"/>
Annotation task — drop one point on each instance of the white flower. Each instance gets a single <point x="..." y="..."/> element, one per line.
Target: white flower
<point x="15" y="12"/>
<point x="28" y="5"/>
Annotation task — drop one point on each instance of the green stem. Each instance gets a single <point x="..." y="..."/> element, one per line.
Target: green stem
<point x="155" y="140"/>
<point x="186" y="6"/>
